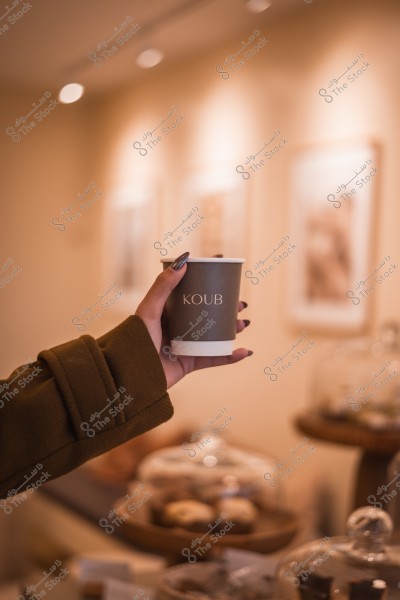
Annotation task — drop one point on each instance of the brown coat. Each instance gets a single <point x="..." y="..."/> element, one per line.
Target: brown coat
<point x="47" y="423"/>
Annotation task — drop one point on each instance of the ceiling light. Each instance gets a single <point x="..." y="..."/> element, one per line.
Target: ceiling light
<point x="71" y="93"/>
<point x="257" y="6"/>
<point x="149" y="58"/>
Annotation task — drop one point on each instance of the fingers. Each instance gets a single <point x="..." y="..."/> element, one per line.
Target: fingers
<point x="152" y="305"/>
<point x="242" y="324"/>
<point x="203" y="362"/>
<point x="242" y="304"/>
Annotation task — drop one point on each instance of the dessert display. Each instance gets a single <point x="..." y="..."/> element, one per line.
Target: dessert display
<point x="191" y="492"/>
<point x="361" y="566"/>
<point x="215" y="496"/>
<point x="179" y="509"/>
<point x="359" y="381"/>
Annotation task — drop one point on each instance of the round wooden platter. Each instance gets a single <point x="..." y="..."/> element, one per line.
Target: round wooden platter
<point x="376" y="441"/>
<point x="273" y="531"/>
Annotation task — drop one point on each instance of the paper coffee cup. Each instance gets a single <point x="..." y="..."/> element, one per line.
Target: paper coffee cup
<point x="202" y="309"/>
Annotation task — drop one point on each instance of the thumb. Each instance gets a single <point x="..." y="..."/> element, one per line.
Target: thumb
<point x="152" y="305"/>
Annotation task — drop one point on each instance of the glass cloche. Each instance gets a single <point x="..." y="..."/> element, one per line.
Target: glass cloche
<point x="205" y="477"/>
<point x="359" y="380"/>
<point x="358" y="567"/>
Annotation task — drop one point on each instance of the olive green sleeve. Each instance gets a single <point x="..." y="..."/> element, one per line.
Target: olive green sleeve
<point x="78" y="400"/>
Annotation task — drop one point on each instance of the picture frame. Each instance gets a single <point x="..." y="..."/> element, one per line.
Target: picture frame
<point x="332" y="204"/>
<point x="132" y="219"/>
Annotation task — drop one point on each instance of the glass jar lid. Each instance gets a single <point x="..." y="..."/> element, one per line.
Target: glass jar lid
<point x="361" y="566"/>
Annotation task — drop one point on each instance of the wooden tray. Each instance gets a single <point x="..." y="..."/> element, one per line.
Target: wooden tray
<point x="274" y="531"/>
<point x="382" y="441"/>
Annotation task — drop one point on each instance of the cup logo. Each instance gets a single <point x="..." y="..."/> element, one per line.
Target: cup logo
<point x="202" y="299"/>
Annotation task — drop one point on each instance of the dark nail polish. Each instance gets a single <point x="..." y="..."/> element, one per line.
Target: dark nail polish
<point x="250" y="353"/>
<point x="180" y="261"/>
<point x="246" y="322"/>
<point x="244" y="304"/>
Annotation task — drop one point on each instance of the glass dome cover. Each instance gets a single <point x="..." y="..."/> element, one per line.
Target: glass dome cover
<point x="358" y="567"/>
<point x="360" y="380"/>
<point x="210" y="469"/>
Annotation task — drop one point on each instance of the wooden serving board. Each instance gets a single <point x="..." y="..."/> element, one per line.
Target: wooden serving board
<point x="274" y="530"/>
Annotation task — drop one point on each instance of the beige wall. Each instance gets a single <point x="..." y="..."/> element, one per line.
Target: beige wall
<point x="42" y="174"/>
<point x="224" y="120"/>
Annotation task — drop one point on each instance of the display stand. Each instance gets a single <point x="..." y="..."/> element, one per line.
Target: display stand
<point x="378" y="448"/>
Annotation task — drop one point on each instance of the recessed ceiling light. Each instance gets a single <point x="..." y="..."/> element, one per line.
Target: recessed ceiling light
<point x="149" y="58"/>
<point x="257" y="6"/>
<point x="71" y="93"/>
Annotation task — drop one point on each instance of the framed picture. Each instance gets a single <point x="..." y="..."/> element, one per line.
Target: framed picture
<point x="131" y="224"/>
<point x="223" y="206"/>
<point x="332" y="191"/>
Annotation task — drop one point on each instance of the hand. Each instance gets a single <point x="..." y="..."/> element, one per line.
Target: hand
<point x="150" y="310"/>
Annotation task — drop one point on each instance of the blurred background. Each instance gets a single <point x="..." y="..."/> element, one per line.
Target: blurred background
<point x="181" y="97"/>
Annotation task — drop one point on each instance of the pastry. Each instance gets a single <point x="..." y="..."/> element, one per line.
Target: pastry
<point x="239" y="510"/>
<point x="188" y="514"/>
<point x="249" y="583"/>
<point x="159" y="500"/>
<point x="211" y="581"/>
<point x="315" y="588"/>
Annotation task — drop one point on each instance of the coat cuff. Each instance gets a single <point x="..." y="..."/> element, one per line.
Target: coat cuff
<point x="107" y="381"/>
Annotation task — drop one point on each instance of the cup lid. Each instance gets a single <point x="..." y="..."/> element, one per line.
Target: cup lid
<point x="211" y="260"/>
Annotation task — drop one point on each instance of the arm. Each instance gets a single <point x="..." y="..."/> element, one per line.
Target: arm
<point x="50" y="423"/>
<point x="46" y="416"/>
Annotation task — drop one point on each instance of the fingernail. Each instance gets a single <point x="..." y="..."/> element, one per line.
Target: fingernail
<point x="246" y="322"/>
<point x="245" y="305"/>
<point x="180" y="261"/>
<point x="250" y="353"/>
